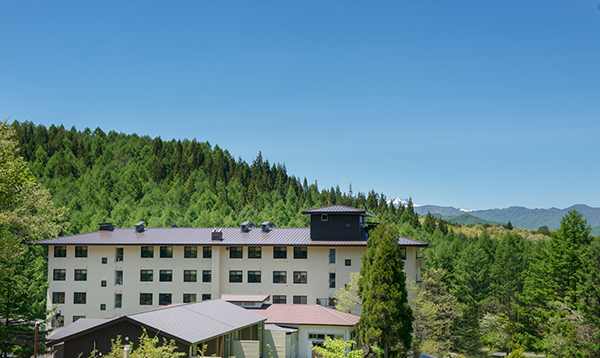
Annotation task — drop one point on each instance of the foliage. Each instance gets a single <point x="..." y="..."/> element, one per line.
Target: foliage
<point x="147" y="348"/>
<point x="435" y="311"/>
<point x="347" y="298"/>
<point x="337" y="348"/>
<point x="26" y="215"/>
<point x="386" y="319"/>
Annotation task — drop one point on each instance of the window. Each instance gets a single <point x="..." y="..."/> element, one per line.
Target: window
<point x="300" y="277"/>
<point x="164" y="299"/>
<point x="166" y="252"/>
<point x="103" y="283"/>
<point x="403" y="253"/>
<point x="205" y="296"/>
<point x="279" y="299"/>
<point x="332" y="280"/>
<point x="105" y="260"/>
<point x="80" y="275"/>
<point x="146" y="275"/>
<point x="236" y="252"/>
<point x="348" y="262"/>
<point x="279" y="277"/>
<point x="145" y="298"/>
<point x="118" y="278"/>
<point x="75" y="318"/>
<point x="147" y="251"/>
<point x="165" y="276"/>
<point x="189" y="275"/>
<point x="253" y="276"/>
<point x="348" y="225"/>
<point x="316" y="336"/>
<point x="300" y="252"/>
<point x="79" y="297"/>
<point x="207" y="252"/>
<point x="235" y="276"/>
<point x="80" y="251"/>
<point x="102" y="307"/>
<point x="58" y="297"/>
<point x="60" y="274"/>
<point x="254" y="252"/>
<point x="300" y="300"/>
<point x="332" y="256"/>
<point x="190" y="252"/>
<point x="119" y="255"/>
<point x="324" y="217"/>
<point x="60" y="251"/>
<point x="118" y="300"/>
<point x="280" y="252"/>
<point x="189" y="297"/>
<point x="206" y="276"/>
<point x="59" y="321"/>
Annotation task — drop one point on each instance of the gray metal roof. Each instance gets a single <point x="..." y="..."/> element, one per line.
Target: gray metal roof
<point x="203" y="237"/>
<point x="190" y="323"/>
<point x="337" y="209"/>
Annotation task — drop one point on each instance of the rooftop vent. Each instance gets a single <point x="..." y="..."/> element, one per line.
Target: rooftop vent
<point x="106" y="227"/>
<point x="247" y="225"/>
<point x="173" y="225"/>
<point x="267" y="226"/>
<point x="217" y="234"/>
<point x="139" y="227"/>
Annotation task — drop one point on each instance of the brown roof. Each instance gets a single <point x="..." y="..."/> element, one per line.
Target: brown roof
<point x="337" y="209"/>
<point x="306" y="315"/>
<point x="203" y="237"/>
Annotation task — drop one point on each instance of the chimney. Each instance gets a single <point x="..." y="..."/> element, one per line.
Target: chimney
<point x="139" y="227"/>
<point x="247" y="225"/>
<point x="267" y="226"/>
<point x="217" y="234"/>
<point x="106" y="227"/>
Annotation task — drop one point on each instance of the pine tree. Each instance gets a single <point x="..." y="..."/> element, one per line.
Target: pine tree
<point x="386" y="319"/>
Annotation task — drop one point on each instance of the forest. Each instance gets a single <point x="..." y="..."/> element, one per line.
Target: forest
<point x="497" y="287"/>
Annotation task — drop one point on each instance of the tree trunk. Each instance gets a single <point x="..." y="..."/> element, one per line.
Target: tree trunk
<point x="386" y="347"/>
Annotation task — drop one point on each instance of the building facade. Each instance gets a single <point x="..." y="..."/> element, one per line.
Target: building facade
<point x="117" y="271"/>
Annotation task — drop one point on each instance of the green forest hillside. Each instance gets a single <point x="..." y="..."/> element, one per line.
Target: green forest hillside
<point x="511" y="288"/>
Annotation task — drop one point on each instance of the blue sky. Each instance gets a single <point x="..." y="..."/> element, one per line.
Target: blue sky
<point x="471" y="104"/>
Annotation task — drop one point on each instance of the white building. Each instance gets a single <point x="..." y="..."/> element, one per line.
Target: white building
<point x="116" y="271"/>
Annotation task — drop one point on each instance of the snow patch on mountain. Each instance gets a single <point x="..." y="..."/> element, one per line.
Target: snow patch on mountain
<point x="467" y="210"/>
<point x="397" y="201"/>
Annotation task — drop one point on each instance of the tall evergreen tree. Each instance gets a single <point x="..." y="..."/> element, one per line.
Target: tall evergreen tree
<point x="386" y="320"/>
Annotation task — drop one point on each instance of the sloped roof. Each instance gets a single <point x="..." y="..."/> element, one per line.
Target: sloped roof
<point x="203" y="237"/>
<point x="244" y="298"/>
<point x="190" y="323"/>
<point x="337" y="209"/>
<point x="305" y="315"/>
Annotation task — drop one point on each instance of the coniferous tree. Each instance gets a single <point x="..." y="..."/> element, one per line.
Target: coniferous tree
<point x="386" y="320"/>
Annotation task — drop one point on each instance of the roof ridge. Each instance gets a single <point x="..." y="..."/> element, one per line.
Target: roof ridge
<point x="335" y="314"/>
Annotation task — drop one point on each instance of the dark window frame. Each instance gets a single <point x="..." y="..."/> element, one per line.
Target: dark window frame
<point x="103" y="283"/>
<point x="146" y="275"/>
<point x="147" y="252"/>
<point x="348" y="262"/>
<point x="81" y="251"/>
<point x="280" y="252"/>
<point x="207" y="252"/>
<point x="300" y="300"/>
<point x="190" y="252"/>
<point x="279" y="276"/>
<point x="403" y="253"/>
<point x="236" y="252"/>
<point x="190" y="275"/>
<point x="119" y="302"/>
<point x="254" y="276"/>
<point x="254" y="252"/>
<point x="300" y="252"/>
<point x="58" y="298"/>
<point x="119" y="256"/>
<point x="146" y="299"/>
<point x="332" y="258"/>
<point x="117" y="281"/>
<point x="80" y="275"/>
<point x="165" y="299"/>
<point x="206" y="296"/>
<point x="166" y="252"/>
<point x="236" y="276"/>
<point x="332" y="279"/>
<point x="300" y="277"/>
<point x="79" y="298"/>
<point x="279" y="299"/>
<point x="190" y="298"/>
<point x="60" y="251"/>
<point x="206" y="275"/>
<point x="59" y="275"/>
<point x="165" y="276"/>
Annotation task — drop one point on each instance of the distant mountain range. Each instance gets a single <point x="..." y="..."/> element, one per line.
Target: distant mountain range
<point x="518" y="215"/>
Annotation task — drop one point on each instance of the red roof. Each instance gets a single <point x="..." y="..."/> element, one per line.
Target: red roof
<point x="306" y="315"/>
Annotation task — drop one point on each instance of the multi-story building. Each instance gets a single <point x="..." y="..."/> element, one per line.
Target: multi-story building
<point x="115" y="271"/>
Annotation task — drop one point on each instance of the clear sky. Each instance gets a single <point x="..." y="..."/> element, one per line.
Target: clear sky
<point x="471" y="104"/>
